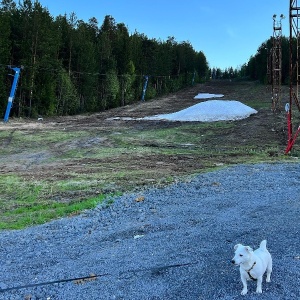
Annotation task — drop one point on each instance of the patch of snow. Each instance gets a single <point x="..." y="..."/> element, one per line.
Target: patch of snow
<point x="120" y="118"/>
<point x="208" y="95"/>
<point x="209" y="111"/>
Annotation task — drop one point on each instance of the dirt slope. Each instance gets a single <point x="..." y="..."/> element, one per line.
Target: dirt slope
<point x="154" y="161"/>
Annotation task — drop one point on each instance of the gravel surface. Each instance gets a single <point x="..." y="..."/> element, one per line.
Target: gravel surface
<point x="170" y="243"/>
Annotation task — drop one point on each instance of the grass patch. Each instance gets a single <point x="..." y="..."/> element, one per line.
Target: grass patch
<point x="17" y="191"/>
<point x="185" y="134"/>
<point x="41" y="213"/>
<point x="24" y="203"/>
<point x="14" y="140"/>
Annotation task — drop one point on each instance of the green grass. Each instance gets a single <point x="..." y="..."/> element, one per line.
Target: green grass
<point x="24" y="203"/>
<point x="185" y="134"/>
<point x="18" y="190"/>
<point x="35" y="214"/>
<point x="17" y="140"/>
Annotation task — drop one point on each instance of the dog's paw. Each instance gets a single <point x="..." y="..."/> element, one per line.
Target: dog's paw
<point x="268" y="280"/>
<point x="259" y="291"/>
<point x="244" y="292"/>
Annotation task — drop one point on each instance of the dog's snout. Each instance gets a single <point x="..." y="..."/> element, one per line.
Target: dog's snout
<point x="233" y="261"/>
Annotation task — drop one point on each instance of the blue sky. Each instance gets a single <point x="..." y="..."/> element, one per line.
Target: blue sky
<point x="227" y="31"/>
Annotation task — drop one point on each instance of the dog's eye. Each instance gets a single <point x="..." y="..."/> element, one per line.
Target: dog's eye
<point x="241" y="255"/>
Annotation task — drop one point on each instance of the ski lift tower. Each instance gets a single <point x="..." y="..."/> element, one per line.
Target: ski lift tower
<point x="269" y="67"/>
<point x="294" y="73"/>
<point x="276" y="62"/>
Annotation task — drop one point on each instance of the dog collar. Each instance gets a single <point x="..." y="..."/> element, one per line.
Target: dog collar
<point x="251" y="277"/>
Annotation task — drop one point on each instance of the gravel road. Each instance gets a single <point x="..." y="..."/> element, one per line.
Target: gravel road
<point x="169" y="243"/>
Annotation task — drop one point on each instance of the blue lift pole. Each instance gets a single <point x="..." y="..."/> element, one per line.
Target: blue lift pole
<point x="12" y="92"/>
<point x="145" y="87"/>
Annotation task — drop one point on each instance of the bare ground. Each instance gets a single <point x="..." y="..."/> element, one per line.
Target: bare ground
<point x="263" y="134"/>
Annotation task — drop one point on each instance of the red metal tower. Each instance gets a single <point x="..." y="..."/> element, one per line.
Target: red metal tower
<point x="294" y="17"/>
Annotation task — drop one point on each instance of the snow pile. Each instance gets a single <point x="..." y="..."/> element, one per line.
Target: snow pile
<point x="209" y="111"/>
<point x="208" y="96"/>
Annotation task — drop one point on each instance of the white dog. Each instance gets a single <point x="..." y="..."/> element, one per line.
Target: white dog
<point x="253" y="264"/>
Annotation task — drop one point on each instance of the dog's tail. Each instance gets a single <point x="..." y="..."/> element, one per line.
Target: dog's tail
<point x="263" y="245"/>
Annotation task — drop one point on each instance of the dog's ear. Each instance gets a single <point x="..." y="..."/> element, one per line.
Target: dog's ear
<point x="236" y="246"/>
<point x="249" y="249"/>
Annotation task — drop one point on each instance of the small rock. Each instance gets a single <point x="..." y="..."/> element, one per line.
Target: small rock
<point x="138" y="236"/>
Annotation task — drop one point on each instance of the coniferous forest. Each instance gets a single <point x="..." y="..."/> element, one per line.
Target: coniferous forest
<point x="71" y="67"/>
<point x="257" y="66"/>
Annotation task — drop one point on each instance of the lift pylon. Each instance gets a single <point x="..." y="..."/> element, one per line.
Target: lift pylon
<point x="276" y="63"/>
<point x="294" y="12"/>
<point x="12" y="91"/>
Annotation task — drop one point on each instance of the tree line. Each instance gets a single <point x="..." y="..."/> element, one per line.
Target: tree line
<point x="72" y="66"/>
<point x="257" y="66"/>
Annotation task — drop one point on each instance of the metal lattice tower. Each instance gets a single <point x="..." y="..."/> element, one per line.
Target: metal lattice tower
<point x="294" y="17"/>
<point x="269" y="68"/>
<point x="276" y="63"/>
